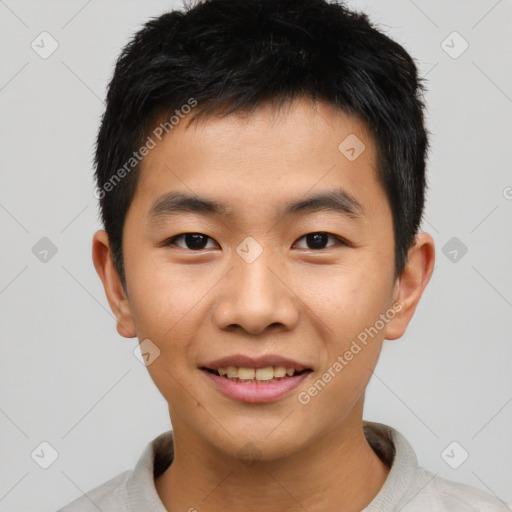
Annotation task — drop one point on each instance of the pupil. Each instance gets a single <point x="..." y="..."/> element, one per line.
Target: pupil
<point x="195" y="240"/>
<point x="317" y="240"/>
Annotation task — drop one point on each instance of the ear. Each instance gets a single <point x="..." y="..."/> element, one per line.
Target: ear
<point x="117" y="299"/>
<point x="410" y="285"/>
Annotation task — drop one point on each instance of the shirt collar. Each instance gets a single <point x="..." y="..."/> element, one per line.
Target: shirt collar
<point x="387" y="442"/>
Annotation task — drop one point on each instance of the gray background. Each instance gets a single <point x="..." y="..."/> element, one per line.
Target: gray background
<point x="69" y="379"/>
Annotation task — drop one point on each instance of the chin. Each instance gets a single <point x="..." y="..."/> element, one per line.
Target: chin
<point x="259" y="445"/>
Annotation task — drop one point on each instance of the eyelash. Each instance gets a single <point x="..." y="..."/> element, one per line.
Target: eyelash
<point x="339" y="240"/>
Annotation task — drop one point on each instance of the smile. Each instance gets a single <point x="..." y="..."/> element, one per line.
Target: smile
<point x="246" y="374"/>
<point x="255" y="385"/>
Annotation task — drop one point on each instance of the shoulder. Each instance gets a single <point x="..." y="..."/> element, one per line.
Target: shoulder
<point x="110" y="496"/>
<point x="445" y="495"/>
<point x="134" y="490"/>
<point x="411" y="488"/>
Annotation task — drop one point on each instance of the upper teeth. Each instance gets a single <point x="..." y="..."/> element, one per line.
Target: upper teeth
<point x="244" y="373"/>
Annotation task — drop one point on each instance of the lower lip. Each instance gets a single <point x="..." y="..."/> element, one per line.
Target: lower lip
<point x="254" y="392"/>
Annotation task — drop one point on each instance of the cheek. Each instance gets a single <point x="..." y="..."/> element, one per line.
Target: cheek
<point x="346" y="299"/>
<point x="350" y="352"/>
<point x="350" y="304"/>
<point x="166" y="310"/>
<point x="165" y="298"/>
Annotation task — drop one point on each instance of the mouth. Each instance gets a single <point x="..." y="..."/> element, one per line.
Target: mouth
<point x="261" y="380"/>
<point x="264" y="375"/>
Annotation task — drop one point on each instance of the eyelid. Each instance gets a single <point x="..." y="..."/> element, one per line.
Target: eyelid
<point x="339" y="239"/>
<point x="171" y="241"/>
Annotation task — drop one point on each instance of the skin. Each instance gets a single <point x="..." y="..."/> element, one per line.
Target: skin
<point x="294" y="300"/>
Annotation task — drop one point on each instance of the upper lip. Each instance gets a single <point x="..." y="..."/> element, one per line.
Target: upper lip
<point x="240" y="360"/>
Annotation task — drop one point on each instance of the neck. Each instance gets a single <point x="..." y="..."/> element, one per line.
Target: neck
<point x="340" y="471"/>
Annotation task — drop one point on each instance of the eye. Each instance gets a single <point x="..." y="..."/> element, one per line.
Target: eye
<point x="194" y="241"/>
<point x="318" y="240"/>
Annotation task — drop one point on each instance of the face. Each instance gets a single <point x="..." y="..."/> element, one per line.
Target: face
<point x="237" y="277"/>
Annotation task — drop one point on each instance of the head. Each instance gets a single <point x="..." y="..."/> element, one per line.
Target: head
<point x="296" y="130"/>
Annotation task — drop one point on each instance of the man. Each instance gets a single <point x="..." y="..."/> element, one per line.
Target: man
<point x="261" y="176"/>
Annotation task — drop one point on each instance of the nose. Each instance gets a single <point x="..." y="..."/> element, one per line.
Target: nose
<point x="255" y="297"/>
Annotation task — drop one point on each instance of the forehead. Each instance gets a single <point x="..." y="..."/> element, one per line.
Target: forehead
<point x="267" y="157"/>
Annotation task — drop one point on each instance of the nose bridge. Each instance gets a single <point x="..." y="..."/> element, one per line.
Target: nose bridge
<point x="254" y="278"/>
<point x="253" y="297"/>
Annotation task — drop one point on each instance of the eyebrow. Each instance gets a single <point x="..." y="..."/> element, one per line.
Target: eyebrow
<point x="336" y="200"/>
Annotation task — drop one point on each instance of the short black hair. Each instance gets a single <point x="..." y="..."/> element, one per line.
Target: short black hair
<point x="223" y="56"/>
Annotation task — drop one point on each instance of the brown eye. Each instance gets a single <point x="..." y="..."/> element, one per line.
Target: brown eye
<point x="319" y="240"/>
<point x="192" y="241"/>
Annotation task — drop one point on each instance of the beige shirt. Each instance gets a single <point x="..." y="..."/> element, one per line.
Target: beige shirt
<point x="408" y="487"/>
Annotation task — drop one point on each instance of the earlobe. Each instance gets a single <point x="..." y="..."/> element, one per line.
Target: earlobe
<point x="117" y="299"/>
<point x="411" y="283"/>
